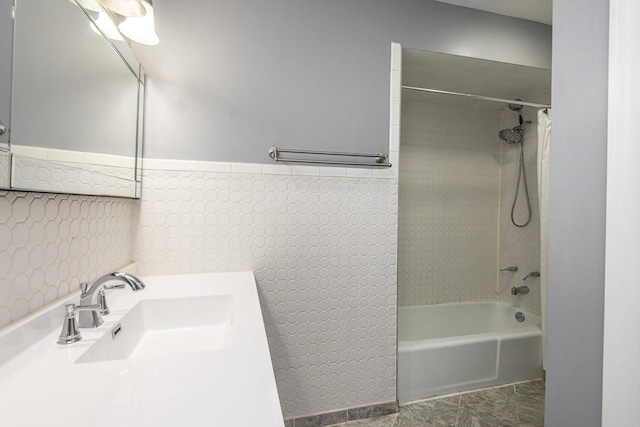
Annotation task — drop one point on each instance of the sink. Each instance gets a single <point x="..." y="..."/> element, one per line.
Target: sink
<point x="167" y="327"/>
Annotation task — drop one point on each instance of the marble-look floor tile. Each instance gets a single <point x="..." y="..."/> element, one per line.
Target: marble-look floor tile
<point x="385" y="421"/>
<point x="531" y="388"/>
<point x="521" y="405"/>
<point x="530" y="400"/>
<point x="431" y="413"/>
<point x="472" y="418"/>
<point x="498" y="402"/>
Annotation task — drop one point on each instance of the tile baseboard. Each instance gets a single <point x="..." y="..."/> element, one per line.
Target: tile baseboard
<point x="337" y="417"/>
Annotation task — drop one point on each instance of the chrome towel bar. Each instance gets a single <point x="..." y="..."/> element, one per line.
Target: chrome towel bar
<point x="381" y="160"/>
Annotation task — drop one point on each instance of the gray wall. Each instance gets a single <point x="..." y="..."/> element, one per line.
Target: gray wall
<point x="71" y="90"/>
<point x="6" y="43"/>
<point x="231" y="79"/>
<point x="577" y="213"/>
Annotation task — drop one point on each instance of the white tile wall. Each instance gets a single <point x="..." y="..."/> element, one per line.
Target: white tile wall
<point x="324" y="253"/>
<point x="50" y="176"/>
<point x="449" y="195"/>
<point x="50" y="243"/>
<point x="519" y="246"/>
<point x="456" y="188"/>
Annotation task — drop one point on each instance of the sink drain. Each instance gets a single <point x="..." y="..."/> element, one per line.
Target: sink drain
<point x="520" y="316"/>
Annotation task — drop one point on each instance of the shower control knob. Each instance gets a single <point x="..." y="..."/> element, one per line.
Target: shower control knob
<point x="3" y="129"/>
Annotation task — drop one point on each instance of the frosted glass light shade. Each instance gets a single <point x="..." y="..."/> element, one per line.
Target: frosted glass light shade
<point x="129" y="8"/>
<point x="141" y="30"/>
<point x="91" y="5"/>
<point x="107" y="26"/>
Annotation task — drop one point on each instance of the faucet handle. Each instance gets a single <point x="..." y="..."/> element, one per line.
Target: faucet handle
<point x="69" y="333"/>
<point x="532" y="274"/>
<point x="84" y="287"/>
<point x="511" y="268"/>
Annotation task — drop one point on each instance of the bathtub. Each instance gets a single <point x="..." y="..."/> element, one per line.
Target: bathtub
<point x="447" y="348"/>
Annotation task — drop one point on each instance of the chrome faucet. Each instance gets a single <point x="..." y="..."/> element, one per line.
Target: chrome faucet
<point x="95" y="297"/>
<point x="70" y="333"/>
<point x="519" y="290"/>
<point x="532" y="274"/>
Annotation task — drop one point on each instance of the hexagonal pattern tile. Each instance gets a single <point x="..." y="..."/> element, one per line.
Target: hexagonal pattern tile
<point x="49" y="243"/>
<point x="449" y="196"/>
<point x="45" y="175"/>
<point x="456" y="188"/>
<point x="324" y="254"/>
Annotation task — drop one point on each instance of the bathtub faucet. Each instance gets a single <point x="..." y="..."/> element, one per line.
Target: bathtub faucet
<point x="532" y="274"/>
<point x="520" y="290"/>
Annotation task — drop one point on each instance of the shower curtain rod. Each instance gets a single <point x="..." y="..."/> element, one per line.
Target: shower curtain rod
<point x="472" y="96"/>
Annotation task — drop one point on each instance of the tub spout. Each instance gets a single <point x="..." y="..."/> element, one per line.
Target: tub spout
<point x="520" y="290"/>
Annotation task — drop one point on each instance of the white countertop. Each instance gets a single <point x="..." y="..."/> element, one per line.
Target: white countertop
<point x="42" y="385"/>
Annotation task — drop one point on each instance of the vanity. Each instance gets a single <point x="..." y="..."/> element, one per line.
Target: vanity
<point x="188" y="350"/>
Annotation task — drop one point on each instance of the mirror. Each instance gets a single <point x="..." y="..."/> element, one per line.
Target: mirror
<point x="76" y="105"/>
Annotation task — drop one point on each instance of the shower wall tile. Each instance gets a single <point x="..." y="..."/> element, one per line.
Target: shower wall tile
<point x="448" y="203"/>
<point x="324" y="252"/>
<point x="49" y="243"/>
<point x="519" y="246"/>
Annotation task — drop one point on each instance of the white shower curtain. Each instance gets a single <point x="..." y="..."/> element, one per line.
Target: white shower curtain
<point x="544" y="141"/>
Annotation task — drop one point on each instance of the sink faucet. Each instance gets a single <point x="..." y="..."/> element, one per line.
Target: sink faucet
<point x="70" y="333"/>
<point x="95" y="296"/>
<point x="532" y="274"/>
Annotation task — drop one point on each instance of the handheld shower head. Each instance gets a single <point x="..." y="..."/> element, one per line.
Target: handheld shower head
<point x="511" y="136"/>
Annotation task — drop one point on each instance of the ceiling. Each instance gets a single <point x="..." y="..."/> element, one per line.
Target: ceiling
<point x="531" y="10"/>
<point x="472" y="76"/>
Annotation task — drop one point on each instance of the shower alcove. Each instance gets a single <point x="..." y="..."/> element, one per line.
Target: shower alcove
<point x="456" y="318"/>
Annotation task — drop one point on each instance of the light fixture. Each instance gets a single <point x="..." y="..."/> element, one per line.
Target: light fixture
<point x="91" y="5"/>
<point x="141" y="30"/>
<point x="107" y="26"/>
<point x="128" y="8"/>
<point x="131" y="18"/>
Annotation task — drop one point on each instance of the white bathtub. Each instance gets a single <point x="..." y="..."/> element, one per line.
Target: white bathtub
<point x="448" y="348"/>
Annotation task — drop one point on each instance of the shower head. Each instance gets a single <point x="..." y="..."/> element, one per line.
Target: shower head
<point x="511" y="136"/>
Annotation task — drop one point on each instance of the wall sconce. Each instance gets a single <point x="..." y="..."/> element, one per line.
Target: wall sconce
<point x="141" y="30"/>
<point x="132" y="18"/>
<point x="107" y="26"/>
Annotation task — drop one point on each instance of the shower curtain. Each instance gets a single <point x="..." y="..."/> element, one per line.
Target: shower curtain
<point x="544" y="141"/>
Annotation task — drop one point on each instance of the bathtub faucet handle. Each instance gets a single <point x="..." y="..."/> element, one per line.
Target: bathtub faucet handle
<point x="532" y="274"/>
<point x="511" y="268"/>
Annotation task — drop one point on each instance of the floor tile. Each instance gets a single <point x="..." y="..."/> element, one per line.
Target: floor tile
<point x="431" y="413"/>
<point x="530" y="401"/>
<point x="498" y="402"/>
<point x="521" y="405"/>
<point x="385" y="421"/>
<point x="472" y="418"/>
